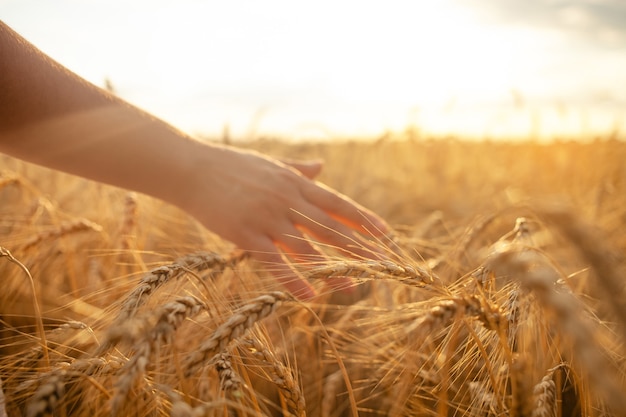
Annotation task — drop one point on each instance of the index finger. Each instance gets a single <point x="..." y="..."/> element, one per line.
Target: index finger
<point x="344" y="209"/>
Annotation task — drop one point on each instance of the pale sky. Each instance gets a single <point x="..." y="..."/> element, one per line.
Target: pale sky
<point x="347" y="68"/>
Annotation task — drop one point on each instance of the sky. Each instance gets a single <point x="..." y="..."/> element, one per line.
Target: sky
<point x="348" y="68"/>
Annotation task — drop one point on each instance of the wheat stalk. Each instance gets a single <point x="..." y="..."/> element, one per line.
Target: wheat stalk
<point x="520" y="390"/>
<point x="4" y="253"/>
<point x="236" y="326"/>
<point x="332" y="383"/>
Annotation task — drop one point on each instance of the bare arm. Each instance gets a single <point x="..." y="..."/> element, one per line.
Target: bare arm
<point x="52" y="117"/>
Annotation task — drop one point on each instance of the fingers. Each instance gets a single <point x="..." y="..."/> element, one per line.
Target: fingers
<point x="299" y="249"/>
<point x="309" y="169"/>
<point x="325" y="229"/>
<point x="345" y="210"/>
<point x="283" y="202"/>
<point x="266" y="253"/>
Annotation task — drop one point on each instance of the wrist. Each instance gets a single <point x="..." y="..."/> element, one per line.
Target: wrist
<point x="200" y="175"/>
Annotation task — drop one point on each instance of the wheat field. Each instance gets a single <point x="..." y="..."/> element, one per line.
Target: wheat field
<point x="501" y="293"/>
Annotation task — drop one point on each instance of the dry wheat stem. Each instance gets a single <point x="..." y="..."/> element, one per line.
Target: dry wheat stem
<point x="159" y="276"/>
<point x="3" y="411"/>
<point x="280" y="375"/>
<point x="332" y="383"/>
<point x="236" y="326"/>
<point x="342" y="366"/>
<point x="520" y="390"/>
<point x="38" y="317"/>
<point x="373" y="269"/>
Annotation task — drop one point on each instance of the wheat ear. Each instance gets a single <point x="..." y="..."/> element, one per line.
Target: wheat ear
<point x="545" y="395"/>
<point x="8" y="179"/>
<point x="70" y="227"/>
<point x="52" y="384"/>
<point x="280" y="375"/>
<point x="363" y="270"/>
<point x="443" y="313"/>
<point x="169" y="318"/>
<point x="159" y="276"/>
<point x="229" y="380"/>
<point x="236" y="326"/>
<point x="47" y="395"/>
<point x="129" y="222"/>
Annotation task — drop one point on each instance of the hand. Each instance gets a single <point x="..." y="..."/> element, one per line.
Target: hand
<point x="266" y="207"/>
<point x="52" y="117"/>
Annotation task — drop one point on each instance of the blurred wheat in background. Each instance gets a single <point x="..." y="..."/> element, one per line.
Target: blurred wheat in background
<point x="501" y="293"/>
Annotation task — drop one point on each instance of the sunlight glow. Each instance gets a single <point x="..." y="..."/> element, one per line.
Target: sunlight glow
<point x="333" y="68"/>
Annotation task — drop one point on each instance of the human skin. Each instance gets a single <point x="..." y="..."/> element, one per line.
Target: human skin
<point x="52" y="117"/>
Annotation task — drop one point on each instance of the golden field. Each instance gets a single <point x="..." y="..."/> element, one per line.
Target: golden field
<point x="501" y="293"/>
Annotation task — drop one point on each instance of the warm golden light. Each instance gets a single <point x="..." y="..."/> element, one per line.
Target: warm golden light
<point x="349" y="68"/>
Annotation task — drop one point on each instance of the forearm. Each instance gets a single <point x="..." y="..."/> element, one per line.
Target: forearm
<point x="117" y="145"/>
<point x="33" y="87"/>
